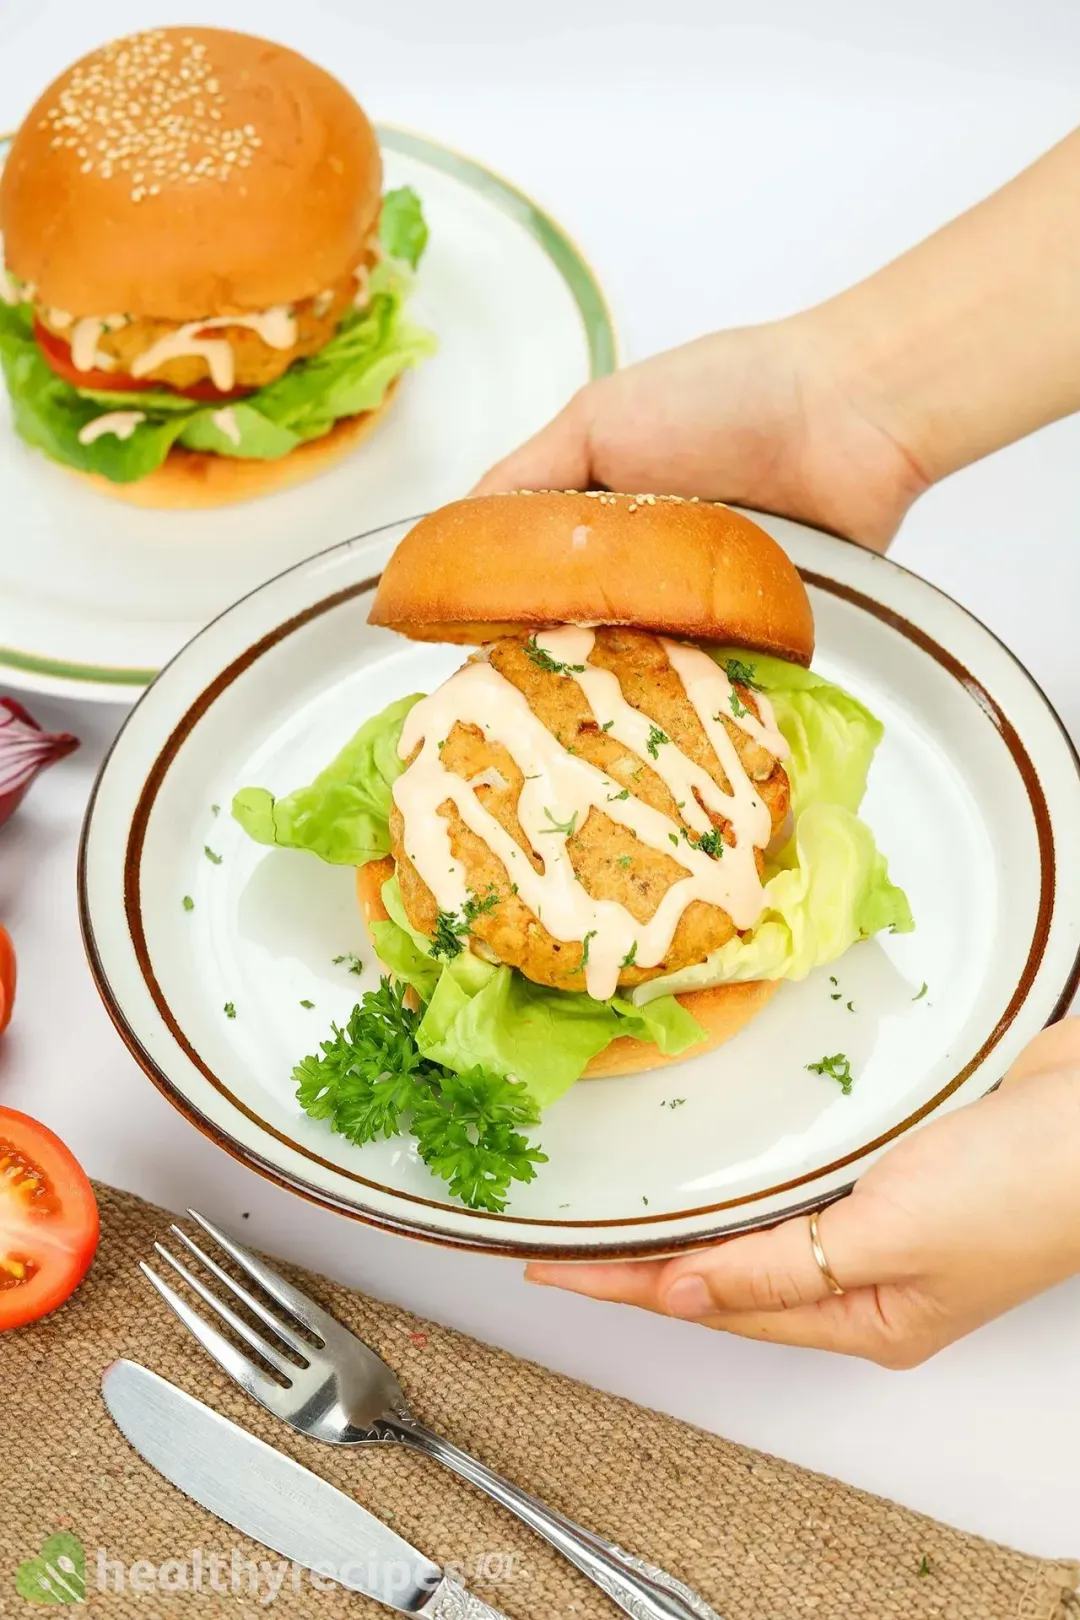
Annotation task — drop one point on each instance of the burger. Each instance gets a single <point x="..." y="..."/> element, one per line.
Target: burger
<point x="609" y="838"/>
<point x="202" y="286"/>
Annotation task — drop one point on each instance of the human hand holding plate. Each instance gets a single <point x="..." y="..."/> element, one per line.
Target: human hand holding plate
<point x="961" y="1221"/>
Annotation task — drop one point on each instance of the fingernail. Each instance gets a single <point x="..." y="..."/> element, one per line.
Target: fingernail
<point x="689" y="1298"/>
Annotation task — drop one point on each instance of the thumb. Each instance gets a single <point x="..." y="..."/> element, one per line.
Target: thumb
<point x="773" y="1270"/>
<point x="558" y="457"/>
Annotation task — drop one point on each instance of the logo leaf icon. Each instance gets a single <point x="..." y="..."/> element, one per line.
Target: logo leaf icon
<point x="57" y="1574"/>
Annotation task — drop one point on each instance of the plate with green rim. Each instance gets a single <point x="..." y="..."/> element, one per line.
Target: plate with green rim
<point x="221" y="971"/>
<point x="96" y="595"/>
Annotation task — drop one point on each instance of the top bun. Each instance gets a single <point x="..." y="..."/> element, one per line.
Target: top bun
<point x="189" y="171"/>
<point x="496" y="564"/>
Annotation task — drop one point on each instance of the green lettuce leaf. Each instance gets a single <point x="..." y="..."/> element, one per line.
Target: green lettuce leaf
<point x="344" y="815"/>
<point x="832" y="736"/>
<point x="829" y="887"/>
<point x="402" y="227"/>
<point x="835" y="891"/>
<point x="255" y="436"/>
<point x="494" y="1016"/>
<point x="350" y="374"/>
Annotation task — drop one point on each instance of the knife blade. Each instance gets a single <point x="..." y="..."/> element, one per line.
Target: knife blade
<point x="275" y="1501"/>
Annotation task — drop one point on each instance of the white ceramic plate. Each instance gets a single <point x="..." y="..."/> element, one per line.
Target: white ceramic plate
<point x="974" y="795"/>
<point x="95" y="596"/>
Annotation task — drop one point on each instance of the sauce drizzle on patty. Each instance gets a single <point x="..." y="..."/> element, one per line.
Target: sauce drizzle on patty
<point x="561" y="788"/>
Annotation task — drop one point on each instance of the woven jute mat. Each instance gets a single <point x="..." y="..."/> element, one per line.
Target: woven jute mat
<point x="761" y="1539"/>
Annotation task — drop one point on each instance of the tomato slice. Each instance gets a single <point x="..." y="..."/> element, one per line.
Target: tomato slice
<point x="57" y="355"/>
<point x="48" y="1220"/>
<point x="7" y="978"/>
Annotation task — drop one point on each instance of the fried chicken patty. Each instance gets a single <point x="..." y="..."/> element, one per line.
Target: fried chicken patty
<point x="609" y="861"/>
<point x="256" y="362"/>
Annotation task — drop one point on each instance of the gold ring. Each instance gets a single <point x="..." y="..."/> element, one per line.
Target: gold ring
<point x="819" y="1257"/>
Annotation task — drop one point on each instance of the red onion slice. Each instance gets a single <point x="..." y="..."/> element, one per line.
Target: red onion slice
<point x="24" y="751"/>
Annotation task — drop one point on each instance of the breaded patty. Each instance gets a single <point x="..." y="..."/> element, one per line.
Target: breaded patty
<point x="609" y="861"/>
<point x="256" y="362"/>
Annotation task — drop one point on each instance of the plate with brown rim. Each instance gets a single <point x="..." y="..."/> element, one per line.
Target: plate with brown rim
<point x="974" y="795"/>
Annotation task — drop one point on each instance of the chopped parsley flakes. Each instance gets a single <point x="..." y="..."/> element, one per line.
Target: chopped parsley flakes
<point x="654" y="740"/>
<point x="838" y="1068"/>
<point x="551" y="666"/>
<point x="740" y="673"/>
<point x="564" y="827"/>
<point x="354" y="963"/>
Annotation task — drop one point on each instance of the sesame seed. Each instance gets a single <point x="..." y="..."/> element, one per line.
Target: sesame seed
<point x="155" y="105"/>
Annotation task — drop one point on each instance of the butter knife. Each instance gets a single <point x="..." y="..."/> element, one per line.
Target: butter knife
<point x="267" y="1496"/>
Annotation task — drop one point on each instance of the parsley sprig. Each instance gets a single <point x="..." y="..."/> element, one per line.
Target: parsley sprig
<point x="551" y="666"/>
<point x="371" y="1080"/>
<point x="654" y="740"/>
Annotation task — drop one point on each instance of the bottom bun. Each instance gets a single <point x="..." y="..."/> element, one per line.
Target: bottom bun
<point x="188" y="479"/>
<point x="721" y="1011"/>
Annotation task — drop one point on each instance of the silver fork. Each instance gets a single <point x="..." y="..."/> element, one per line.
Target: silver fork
<point x="340" y="1391"/>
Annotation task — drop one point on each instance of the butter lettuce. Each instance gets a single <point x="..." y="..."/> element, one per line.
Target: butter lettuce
<point x="829" y="886"/>
<point x="833" y="891"/>
<point x="343" y="817"/>
<point x="350" y="374"/>
<point x="494" y="1016"/>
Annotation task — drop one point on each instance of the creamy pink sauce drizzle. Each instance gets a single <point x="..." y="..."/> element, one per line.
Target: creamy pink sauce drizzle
<point x="276" y="327"/>
<point x="122" y="424"/>
<point x="561" y="788"/>
<point x="225" y="422"/>
<point x="85" y="335"/>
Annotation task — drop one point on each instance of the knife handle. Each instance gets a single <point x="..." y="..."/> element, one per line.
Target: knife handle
<point x="641" y="1590"/>
<point x="451" y="1601"/>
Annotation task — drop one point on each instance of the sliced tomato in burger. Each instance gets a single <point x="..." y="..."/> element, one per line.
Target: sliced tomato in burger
<point x="48" y="1220"/>
<point x="57" y="355"/>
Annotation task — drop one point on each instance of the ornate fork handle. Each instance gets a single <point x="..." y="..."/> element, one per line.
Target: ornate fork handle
<point x="640" y="1589"/>
<point x="451" y="1601"/>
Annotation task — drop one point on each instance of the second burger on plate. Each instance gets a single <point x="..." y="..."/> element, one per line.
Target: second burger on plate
<point x="201" y="285"/>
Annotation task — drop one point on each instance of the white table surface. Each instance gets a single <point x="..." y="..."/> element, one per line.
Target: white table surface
<point x="715" y="173"/>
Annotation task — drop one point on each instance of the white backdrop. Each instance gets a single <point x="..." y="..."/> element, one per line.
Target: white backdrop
<point x="714" y="172"/>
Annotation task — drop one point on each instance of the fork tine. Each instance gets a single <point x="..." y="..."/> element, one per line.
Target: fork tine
<point x="285" y="1333"/>
<point x="280" y="1363"/>
<point x="233" y="1361"/>
<point x="305" y="1310"/>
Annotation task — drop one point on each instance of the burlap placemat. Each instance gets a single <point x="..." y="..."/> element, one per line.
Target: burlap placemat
<point x="761" y="1539"/>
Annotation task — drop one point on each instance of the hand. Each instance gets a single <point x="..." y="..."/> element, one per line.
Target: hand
<point x="843" y="414"/>
<point x="760" y="415"/>
<point x="959" y="1222"/>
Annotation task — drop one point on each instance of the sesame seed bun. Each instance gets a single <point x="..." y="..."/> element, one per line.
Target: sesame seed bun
<point x="189" y="479"/>
<point x="184" y="172"/>
<point x="722" y="1011"/>
<point x="495" y="564"/>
